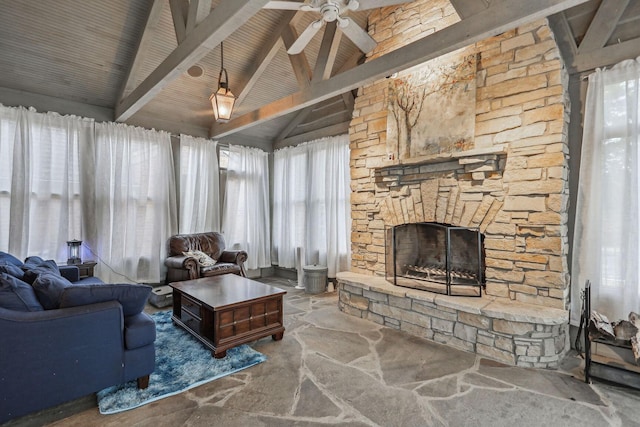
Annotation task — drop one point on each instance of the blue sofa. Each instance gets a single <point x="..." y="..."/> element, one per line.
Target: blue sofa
<point x="62" y="339"/>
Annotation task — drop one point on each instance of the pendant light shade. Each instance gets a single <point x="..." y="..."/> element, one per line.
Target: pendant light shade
<point x="222" y="100"/>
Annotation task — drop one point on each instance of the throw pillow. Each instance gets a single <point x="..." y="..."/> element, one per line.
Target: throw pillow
<point x="17" y="295"/>
<point x="49" y="288"/>
<point x="34" y="266"/>
<point x="202" y="259"/>
<point x="11" y="270"/>
<point x="9" y="259"/>
<point x="132" y="297"/>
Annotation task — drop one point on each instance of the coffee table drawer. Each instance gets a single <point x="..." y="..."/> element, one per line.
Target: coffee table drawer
<point x="190" y="313"/>
<point x="249" y="319"/>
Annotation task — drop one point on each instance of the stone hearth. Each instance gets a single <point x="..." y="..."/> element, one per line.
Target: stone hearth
<point x="511" y="332"/>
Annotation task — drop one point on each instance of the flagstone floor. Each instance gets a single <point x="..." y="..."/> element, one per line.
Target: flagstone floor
<point x="334" y="369"/>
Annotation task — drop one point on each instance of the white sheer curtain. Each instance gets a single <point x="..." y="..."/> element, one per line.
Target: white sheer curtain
<point x="40" y="181"/>
<point x="606" y="247"/>
<point x="134" y="204"/>
<point x="311" y="206"/>
<point x="246" y="221"/>
<point x="199" y="185"/>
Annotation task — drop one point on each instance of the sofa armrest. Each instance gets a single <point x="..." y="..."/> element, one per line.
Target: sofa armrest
<point x="70" y="272"/>
<point x="52" y="356"/>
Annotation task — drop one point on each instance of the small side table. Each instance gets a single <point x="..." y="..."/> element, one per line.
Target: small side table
<point x="86" y="268"/>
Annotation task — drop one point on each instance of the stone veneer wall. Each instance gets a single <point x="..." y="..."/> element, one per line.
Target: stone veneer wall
<point x="513" y="184"/>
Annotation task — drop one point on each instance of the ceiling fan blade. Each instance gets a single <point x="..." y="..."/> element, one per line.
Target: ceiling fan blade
<point x="304" y="38"/>
<point x="357" y="35"/>
<point x="373" y="4"/>
<point x="283" y="5"/>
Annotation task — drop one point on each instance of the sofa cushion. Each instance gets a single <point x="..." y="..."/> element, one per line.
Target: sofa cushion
<point x="9" y="259"/>
<point x="11" y="270"/>
<point x="36" y="261"/>
<point x="49" y="288"/>
<point x="139" y="330"/>
<point x="34" y="266"/>
<point x="132" y="297"/>
<point x="201" y="258"/>
<point x="17" y="295"/>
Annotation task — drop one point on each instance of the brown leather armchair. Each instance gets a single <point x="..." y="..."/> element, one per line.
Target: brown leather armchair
<point x="181" y="267"/>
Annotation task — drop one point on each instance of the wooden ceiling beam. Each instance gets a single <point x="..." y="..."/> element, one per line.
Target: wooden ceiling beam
<point x="475" y="28"/>
<point x="299" y="118"/>
<point x="266" y="53"/>
<point x="564" y="37"/>
<point x="217" y="26"/>
<point x="179" y="12"/>
<point x="324" y="65"/>
<point x="148" y="34"/>
<point x="299" y="62"/>
<point x="466" y="8"/>
<point x="303" y="114"/>
<point x="333" y="130"/>
<point x="603" y="24"/>
<point x="327" y="53"/>
<point x="581" y="62"/>
<point x="198" y="10"/>
<point x="607" y="56"/>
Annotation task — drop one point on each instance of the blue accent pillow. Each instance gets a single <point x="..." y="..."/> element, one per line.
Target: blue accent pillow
<point x="10" y="259"/>
<point x="132" y="297"/>
<point x="17" y="295"/>
<point x="49" y="288"/>
<point x="11" y="270"/>
<point x="33" y="260"/>
<point x="34" y="266"/>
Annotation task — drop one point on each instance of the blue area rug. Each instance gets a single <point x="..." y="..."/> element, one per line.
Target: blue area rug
<point x="182" y="362"/>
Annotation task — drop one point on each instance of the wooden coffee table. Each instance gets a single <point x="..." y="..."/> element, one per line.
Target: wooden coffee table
<point x="228" y="310"/>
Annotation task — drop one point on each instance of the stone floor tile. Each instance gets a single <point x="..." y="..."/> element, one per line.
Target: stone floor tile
<point x="409" y="359"/>
<point x="552" y="383"/>
<point x="334" y="369"/>
<point x="314" y="403"/>
<point x="509" y="408"/>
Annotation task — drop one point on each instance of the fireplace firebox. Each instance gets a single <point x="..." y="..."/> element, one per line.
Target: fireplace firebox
<point x="435" y="257"/>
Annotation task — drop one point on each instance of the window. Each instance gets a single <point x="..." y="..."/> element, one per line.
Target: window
<point x="606" y="247"/>
<point x="311" y="206"/>
<point x="40" y="181"/>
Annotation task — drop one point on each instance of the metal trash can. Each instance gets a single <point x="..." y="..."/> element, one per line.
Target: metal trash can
<point x="315" y="279"/>
<point x="161" y="296"/>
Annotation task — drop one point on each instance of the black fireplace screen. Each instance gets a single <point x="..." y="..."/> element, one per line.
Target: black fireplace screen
<point x="435" y="257"/>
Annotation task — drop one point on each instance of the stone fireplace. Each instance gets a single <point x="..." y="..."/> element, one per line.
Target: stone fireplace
<point x="510" y="183"/>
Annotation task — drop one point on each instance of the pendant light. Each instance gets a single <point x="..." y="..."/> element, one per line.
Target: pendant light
<point x="222" y="100"/>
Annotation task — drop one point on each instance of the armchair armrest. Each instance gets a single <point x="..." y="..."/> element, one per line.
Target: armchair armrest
<point x="182" y="262"/>
<point x="178" y="261"/>
<point x="236" y="257"/>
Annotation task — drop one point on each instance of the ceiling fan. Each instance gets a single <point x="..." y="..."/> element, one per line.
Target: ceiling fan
<point x="333" y="10"/>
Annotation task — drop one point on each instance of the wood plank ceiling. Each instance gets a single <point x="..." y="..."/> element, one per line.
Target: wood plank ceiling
<point x="132" y="60"/>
